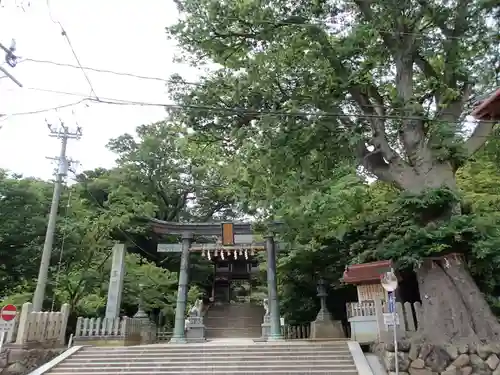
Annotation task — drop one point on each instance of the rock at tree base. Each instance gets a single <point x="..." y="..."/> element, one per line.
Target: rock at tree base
<point x="429" y="359"/>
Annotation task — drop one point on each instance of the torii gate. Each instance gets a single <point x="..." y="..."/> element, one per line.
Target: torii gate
<point x="234" y="237"/>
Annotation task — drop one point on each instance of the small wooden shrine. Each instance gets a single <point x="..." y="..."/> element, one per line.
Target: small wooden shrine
<point x="366" y="277"/>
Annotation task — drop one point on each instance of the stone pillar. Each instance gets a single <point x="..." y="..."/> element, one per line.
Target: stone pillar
<point x="179" y="335"/>
<point x="115" y="287"/>
<point x="272" y="290"/>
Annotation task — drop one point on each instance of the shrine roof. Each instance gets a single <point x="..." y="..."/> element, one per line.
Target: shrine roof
<point x="366" y="272"/>
<point x="489" y="108"/>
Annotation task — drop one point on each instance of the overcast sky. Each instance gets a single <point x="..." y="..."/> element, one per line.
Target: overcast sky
<point x="125" y="36"/>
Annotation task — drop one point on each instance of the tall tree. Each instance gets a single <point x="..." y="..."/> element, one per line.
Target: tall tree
<point x="182" y="179"/>
<point x="384" y="84"/>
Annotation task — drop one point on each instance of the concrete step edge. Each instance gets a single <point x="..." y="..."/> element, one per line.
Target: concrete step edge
<point x="207" y="353"/>
<point x="155" y="370"/>
<point x="207" y="362"/>
<point x="221" y="358"/>
<point x="216" y="371"/>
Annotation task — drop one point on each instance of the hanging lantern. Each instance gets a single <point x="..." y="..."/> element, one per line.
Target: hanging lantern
<point x="235" y="254"/>
<point x="208" y="255"/>
<point x="246" y="254"/>
<point x="222" y="255"/>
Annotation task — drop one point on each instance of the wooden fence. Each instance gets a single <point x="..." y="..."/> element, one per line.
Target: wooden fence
<point x="43" y="328"/>
<point x="296" y="332"/>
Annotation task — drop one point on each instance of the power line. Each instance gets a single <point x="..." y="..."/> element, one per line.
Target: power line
<point x="113" y="101"/>
<point x="34" y="112"/>
<point x="125" y="234"/>
<point x="108" y="71"/>
<point x="65" y="35"/>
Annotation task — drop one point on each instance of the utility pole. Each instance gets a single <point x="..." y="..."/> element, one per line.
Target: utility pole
<point x="11" y="60"/>
<point x="63" y="133"/>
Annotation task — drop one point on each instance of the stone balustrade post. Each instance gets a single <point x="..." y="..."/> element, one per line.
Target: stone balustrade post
<point x="24" y="324"/>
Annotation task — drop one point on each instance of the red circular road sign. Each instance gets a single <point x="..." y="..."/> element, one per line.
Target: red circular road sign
<point x="8" y="313"/>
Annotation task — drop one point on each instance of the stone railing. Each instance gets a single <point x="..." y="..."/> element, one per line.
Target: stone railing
<point x="112" y="331"/>
<point x="367" y="319"/>
<point x="365" y="308"/>
<point x="46" y="329"/>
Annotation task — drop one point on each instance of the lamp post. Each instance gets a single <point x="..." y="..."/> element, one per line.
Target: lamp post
<point x="389" y="282"/>
<point x="321" y="288"/>
<point x="140" y="314"/>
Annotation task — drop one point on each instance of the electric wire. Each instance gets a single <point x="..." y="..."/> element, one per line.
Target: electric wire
<point x="123" y="232"/>
<point x="225" y="110"/>
<point x="68" y="40"/>
<point x="108" y="71"/>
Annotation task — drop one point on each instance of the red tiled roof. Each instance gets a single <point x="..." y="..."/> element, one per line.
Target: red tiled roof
<point x="489" y="109"/>
<point x="366" y="272"/>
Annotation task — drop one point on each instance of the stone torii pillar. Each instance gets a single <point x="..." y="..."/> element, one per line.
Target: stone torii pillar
<point x="179" y="335"/>
<point x="272" y="290"/>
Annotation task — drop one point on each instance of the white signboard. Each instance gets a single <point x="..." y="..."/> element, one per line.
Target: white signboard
<point x="6" y="326"/>
<point x="389" y="319"/>
<point x="169" y="248"/>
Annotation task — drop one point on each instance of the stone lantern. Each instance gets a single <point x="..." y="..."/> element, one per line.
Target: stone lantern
<point x="324" y="327"/>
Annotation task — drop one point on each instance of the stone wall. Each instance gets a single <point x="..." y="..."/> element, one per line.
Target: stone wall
<point x="427" y="359"/>
<point x="15" y="361"/>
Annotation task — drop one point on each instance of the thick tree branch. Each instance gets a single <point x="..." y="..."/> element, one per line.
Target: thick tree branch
<point x="395" y="172"/>
<point x="478" y="136"/>
<point x="411" y="132"/>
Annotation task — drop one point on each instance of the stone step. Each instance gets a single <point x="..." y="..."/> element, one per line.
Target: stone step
<point x="152" y="371"/>
<point x="208" y="352"/>
<point x="242" y="355"/>
<point x="229" y="345"/>
<point x="214" y="350"/>
<point x="241" y="345"/>
<point x="224" y="357"/>
<point x="218" y="359"/>
<point x="207" y="362"/>
<point x="208" y="367"/>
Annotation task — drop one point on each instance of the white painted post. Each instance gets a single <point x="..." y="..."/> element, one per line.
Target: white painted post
<point x="116" y="281"/>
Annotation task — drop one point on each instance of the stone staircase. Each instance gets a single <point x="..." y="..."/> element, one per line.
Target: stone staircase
<point x="235" y="320"/>
<point x="217" y="357"/>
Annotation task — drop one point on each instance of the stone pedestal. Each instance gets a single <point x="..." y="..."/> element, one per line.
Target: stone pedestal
<point x="326" y="328"/>
<point x="266" y="327"/>
<point x="195" y="332"/>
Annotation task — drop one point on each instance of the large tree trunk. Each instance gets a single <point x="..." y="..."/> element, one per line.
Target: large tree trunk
<point x="454" y="309"/>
